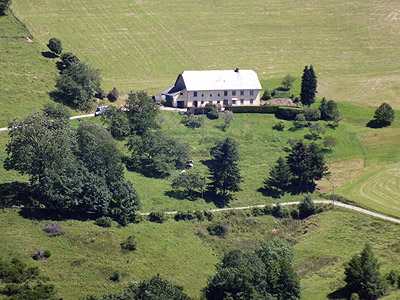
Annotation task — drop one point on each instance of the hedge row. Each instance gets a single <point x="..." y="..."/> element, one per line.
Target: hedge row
<point x="267" y="109"/>
<point x="287" y="113"/>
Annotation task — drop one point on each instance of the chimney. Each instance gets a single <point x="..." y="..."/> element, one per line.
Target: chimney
<point x="237" y="70"/>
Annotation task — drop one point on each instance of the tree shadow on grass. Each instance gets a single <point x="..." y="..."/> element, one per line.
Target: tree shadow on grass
<point x="342" y="293"/>
<point x="15" y="194"/>
<point x="49" y="54"/>
<point x="377" y="124"/>
<point x="183" y="195"/>
<point x="270" y="192"/>
<point x="207" y="162"/>
<point x="41" y="214"/>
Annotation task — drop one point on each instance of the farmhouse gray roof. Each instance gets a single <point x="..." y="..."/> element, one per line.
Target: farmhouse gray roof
<point x="221" y="80"/>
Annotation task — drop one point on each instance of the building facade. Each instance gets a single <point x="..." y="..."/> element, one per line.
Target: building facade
<point x="220" y="87"/>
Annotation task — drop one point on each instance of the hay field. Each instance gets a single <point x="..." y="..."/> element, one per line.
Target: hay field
<point x="353" y="45"/>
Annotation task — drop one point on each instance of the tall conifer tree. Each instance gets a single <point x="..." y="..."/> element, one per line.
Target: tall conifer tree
<point x="308" y="86"/>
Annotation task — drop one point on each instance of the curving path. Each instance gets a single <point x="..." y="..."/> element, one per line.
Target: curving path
<point x="340" y="204"/>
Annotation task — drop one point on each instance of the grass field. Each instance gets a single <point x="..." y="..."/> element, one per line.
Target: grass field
<point x="353" y="45"/>
<point x="26" y="76"/>
<point x="83" y="260"/>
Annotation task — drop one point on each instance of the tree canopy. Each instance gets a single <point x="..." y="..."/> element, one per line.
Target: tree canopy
<point x="77" y="85"/>
<point x="55" y="45"/>
<point x="384" y="115"/>
<point x="3" y="6"/>
<point x="71" y="169"/>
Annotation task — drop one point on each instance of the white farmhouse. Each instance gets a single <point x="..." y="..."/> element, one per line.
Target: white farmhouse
<point x="219" y="87"/>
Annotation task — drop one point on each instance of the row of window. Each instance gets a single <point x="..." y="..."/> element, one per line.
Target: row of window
<point x="226" y="93"/>
<point x="233" y="101"/>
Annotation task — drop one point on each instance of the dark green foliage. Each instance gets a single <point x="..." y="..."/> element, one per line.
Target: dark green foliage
<point x="129" y="244"/>
<point x="218" y="229"/>
<point x="157" y="154"/>
<point x="266" y="95"/>
<point x="189" y="216"/>
<point x="142" y="112"/>
<point x="68" y="59"/>
<point x="280" y="177"/>
<point x="288" y="81"/>
<point x="279" y="212"/>
<point x="71" y="169"/>
<point x="384" y="115"/>
<point x="155" y="288"/>
<point x="116" y="276"/>
<point x="54" y="229"/>
<point x="280" y="126"/>
<point x="307" y="208"/>
<point x="113" y="95"/>
<point x="190" y="182"/>
<point x="192" y="121"/>
<point x="157" y="217"/>
<point x="363" y="276"/>
<point x="3" y="6"/>
<point x="77" y="85"/>
<point x="213" y="112"/>
<point x="224" y="170"/>
<point x="329" y="112"/>
<point x="316" y="130"/>
<point x="393" y="278"/>
<point x="55" y="45"/>
<point x="287" y="113"/>
<point x="308" y="86"/>
<point x="264" y="274"/>
<point x="103" y="222"/>
<point x="57" y="111"/>
<point x="198" y="110"/>
<point x="300" y="121"/>
<point x="117" y="122"/>
<point x="311" y="114"/>
<point x="41" y="254"/>
<point x="17" y="272"/>
<point x="323" y="109"/>
<point x="257" y="211"/>
<point x="307" y="164"/>
<point x="265" y="109"/>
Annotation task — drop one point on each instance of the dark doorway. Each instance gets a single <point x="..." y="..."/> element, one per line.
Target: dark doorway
<point x="181" y="104"/>
<point x="226" y="102"/>
<point x="195" y="104"/>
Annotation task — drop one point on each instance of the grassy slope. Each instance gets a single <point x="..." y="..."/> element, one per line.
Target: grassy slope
<point x="84" y="258"/>
<point x="353" y="45"/>
<point x="360" y="153"/>
<point x="26" y="76"/>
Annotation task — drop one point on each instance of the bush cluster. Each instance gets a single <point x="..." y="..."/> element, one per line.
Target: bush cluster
<point x="193" y="215"/>
<point x="267" y="109"/>
<point x="157" y="217"/>
<point x="129" y="244"/>
<point x="103" y="222"/>
<point x="113" y="95"/>
<point x="54" y="229"/>
<point x="287" y="113"/>
<point x="218" y="229"/>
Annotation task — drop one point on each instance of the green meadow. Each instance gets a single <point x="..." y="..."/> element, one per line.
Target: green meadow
<point x="183" y="252"/>
<point x="353" y="45"/>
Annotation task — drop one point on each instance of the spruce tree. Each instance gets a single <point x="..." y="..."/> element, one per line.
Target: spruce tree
<point x="308" y="86"/>
<point x="225" y="173"/>
<point x="384" y="115"/>
<point x="363" y="276"/>
<point x="280" y="177"/>
<point x="323" y="109"/>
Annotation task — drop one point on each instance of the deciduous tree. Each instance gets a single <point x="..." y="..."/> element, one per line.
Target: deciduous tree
<point x="288" y="81"/>
<point x="384" y="115"/>
<point x="55" y="45"/>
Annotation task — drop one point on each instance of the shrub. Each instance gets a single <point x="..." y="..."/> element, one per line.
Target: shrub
<point x="287" y="113"/>
<point x="300" y="121"/>
<point x="311" y="114"/>
<point x="54" y="229"/>
<point x="55" y="45"/>
<point x="307" y="208"/>
<point x="268" y="209"/>
<point x="116" y="277"/>
<point x="354" y="296"/>
<point x="279" y="126"/>
<point x="157" y="217"/>
<point x="103" y="222"/>
<point x="129" y="244"/>
<point x="279" y="212"/>
<point x="208" y="215"/>
<point x="294" y="213"/>
<point x="41" y="254"/>
<point x="192" y="121"/>
<point x="113" y="95"/>
<point x="218" y="229"/>
<point x="213" y="113"/>
<point x="266" y="95"/>
<point x="393" y="278"/>
<point x="257" y="211"/>
<point x="266" y="109"/>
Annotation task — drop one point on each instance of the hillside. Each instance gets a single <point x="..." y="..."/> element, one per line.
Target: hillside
<point x="353" y="45"/>
<point x="86" y="256"/>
